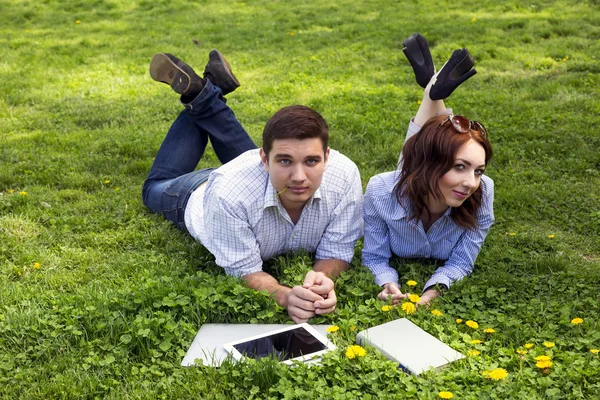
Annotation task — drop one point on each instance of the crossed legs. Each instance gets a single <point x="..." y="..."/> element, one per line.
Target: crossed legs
<point x="173" y="175"/>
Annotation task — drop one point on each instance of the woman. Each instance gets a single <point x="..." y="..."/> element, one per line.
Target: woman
<point x="438" y="204"/>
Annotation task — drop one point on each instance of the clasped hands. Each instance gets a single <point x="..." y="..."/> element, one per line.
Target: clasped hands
<point x="316" y="296"/>
<point x="392" y="289"/>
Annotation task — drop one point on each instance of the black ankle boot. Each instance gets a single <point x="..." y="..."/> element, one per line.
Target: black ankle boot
<point x="458" y="69"/>
<point x="417" y="51"/>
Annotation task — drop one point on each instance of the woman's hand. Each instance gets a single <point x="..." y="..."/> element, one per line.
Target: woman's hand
<point x="427" y="296"/>
<point x="391" y="289"/>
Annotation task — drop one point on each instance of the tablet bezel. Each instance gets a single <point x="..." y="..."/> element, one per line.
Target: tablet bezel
<point x="229" y="347"/>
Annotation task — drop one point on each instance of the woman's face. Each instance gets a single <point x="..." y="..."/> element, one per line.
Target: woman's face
<point x="463" y="178"/>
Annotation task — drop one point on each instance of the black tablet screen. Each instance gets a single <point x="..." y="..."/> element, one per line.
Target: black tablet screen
<point x="282" y="346"/>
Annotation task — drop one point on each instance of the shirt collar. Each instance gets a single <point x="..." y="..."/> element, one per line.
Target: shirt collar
<point x="401" y="209"/>
<point x="271" y="199"/>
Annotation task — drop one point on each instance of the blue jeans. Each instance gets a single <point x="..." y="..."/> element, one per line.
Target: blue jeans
<point x="173" y="177"/>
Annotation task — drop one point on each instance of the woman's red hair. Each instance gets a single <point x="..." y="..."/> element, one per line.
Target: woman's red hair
<point x="427" y="156"/>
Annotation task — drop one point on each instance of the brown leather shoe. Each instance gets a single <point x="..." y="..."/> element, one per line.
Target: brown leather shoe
<point x="169" y="69"/>
<point x="218" y="71"/>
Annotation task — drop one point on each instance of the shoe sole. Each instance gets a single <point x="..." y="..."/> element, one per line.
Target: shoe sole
<point x="411" y="45"/>
<point x="421" y="55"/>
<point x="162" y="69"/>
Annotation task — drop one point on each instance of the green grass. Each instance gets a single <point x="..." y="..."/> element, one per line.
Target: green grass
<point x="119" y="294"/>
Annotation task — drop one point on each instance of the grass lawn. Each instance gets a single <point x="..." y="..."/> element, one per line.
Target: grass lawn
<point x="101" y="299"/>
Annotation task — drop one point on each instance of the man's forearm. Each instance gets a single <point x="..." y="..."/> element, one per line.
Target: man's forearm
<point x="331" y="267"/>
<point x="263" y="281"/>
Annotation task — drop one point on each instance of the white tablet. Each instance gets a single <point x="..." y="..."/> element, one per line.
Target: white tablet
<point x="293" y="343"/>
<point x="411" y="347"/>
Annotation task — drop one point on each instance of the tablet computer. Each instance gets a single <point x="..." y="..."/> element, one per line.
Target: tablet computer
<point x="293" y="343"/>
<point x="411" y="347"/>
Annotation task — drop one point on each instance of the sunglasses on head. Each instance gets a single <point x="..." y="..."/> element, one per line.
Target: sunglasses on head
<point x="463" y="125"/>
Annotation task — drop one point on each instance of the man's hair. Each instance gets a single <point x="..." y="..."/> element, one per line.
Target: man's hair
<point x="427" y="156"/>
<point x="295" y="122"/>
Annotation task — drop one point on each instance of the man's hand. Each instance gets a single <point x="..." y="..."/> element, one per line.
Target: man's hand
<point x="301" y="304"/>
<point x="320" y="284"/>
<point x="427" y="296"/>
<point x="392" y="289"/>
<point x="316" y="296"/>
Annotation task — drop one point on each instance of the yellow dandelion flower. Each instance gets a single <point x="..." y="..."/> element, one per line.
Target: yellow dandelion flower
<point x="476" y="341"/>
<point x="11" y="190"/>
<point x="473" y="19"/>
<point x="495" y="374"/>
<point x="355" y="351"/>
<point x="543" y="364"/>
<point x="107" y="181"/>
<point x="19" y="273"/>
<point x="473" y="353"/>
<point x="23" y="193"/>
<point x="512" y="234"/>
<point x="415" y="298"/>
<point x="437" y="313"/>
<point x="386" y="308"/>
<point x="577" y="321"/>
<point x="543" y="358"/>
<point x="411" y="283"/>
<point x="116" y="189"/>
<point x="549" y="344"/>
<point x="594" y="351"/>
<point x="36" y="265"/>
<point x="78" y="22"/>
<point x="445" y="395"/>
<point x="522" y="352"/>
<point x="408" y="308"/>
<point x="352" y="328"/>
<point x="528" y="345"/>
<point x="489" y="330"/>
<point x="551" y="236"/>
<point x="419" y="102"/>
<point x="459" y="321"/>
<point x="472" y="324"/>
<point x="292" y="34"/>
<point x="332" y="329"/>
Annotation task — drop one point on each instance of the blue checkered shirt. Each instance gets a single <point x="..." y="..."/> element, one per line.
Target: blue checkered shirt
<point x="237" y="215"/>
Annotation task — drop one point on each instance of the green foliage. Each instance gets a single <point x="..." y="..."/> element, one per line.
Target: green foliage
<point x="101" y="299"/>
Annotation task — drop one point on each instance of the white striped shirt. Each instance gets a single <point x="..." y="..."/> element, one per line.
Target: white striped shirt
<point x="237" y="216"/>
<point x="388" y="231"/>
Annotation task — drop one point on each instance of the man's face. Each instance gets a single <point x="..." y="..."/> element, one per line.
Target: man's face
<point x="295" y="169"/>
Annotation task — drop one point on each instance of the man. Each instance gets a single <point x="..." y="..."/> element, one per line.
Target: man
<point x="293" y="193"/>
